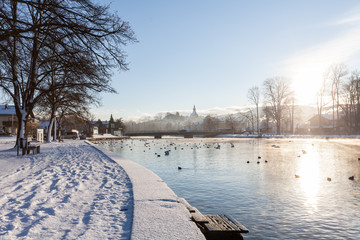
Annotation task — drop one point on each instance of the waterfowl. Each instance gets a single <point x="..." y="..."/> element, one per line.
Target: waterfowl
<point x="248" y="162"/>
<point x="329" y="179"/>
<point x="179" y="168"/>
<point x="351" y="178"/>
<point x="297" y="176"/>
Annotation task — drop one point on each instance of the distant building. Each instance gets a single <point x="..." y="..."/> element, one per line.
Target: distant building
<point x="194" y="114"/>
<point x="105" y="127"/>
<point x="8" y="119"/>
<point x="325" y="124"/>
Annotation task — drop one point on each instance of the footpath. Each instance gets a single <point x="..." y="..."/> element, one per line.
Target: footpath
<point x="75" y="190"/>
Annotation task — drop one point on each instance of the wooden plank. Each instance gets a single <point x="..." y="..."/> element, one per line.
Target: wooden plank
<point x="218" y="224"/>
<point x="223" y="223"/>
<point x="242" y="228"/>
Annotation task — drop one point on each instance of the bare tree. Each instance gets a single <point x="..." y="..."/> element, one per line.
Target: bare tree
<point x="277" y="90"/>
<point x="290" y="103"/>
<point x="321" y="101"/>
<point x="266" y="120"/>
<point x="210" y="123"/>
<point x="249" y="118"/>
<point x="230" y="122"/>
<point x="254" y="98"/>
<point x="350" y="103"/>
<point x="79" y="37"/>
<point x="336" y="73"/>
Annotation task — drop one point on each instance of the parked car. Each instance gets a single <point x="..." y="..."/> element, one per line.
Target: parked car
<point x="70" y="135"/>
<point x="82" y="137"/>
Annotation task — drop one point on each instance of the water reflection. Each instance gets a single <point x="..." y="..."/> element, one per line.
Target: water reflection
<point x="265" y="196"/>
<point x="310" y="177"/>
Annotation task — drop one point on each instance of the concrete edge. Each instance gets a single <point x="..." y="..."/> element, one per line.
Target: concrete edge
<point x="158" y="212"/>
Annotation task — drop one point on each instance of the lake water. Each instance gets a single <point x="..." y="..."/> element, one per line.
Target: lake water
<point x="266" y="197"/>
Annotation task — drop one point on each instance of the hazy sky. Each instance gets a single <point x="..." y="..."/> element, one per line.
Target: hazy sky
<point x="209" y="53"/>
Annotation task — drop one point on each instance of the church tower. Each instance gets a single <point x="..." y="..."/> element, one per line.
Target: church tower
<point x="194" y="113"/>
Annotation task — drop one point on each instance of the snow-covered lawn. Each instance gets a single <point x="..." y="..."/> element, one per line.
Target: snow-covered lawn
<point x="74" y="190"/>
<point x="69" y="191"/>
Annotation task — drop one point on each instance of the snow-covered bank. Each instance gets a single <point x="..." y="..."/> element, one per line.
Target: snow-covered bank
<point x="157" y="212"/>
<point x="69" y="191"/>
<point x="284" y="136"/>
<point x="75" y="190"/>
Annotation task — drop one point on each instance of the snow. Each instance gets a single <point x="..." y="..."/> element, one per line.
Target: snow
<point x="9" y="110"/>
<point x="158" y="213"/>
<point x="72" y="190"/>
<point x="284" y="136"/>
<point x="104" y="136"/>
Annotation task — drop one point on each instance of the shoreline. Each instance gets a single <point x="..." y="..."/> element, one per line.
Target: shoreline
<point x="105" y="139"/>
<point x="151" y="194"/>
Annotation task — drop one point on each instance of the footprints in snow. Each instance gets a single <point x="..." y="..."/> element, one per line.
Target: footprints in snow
<point x="58" y="182"/>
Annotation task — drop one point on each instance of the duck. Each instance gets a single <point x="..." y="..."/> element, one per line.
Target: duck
<point x="179" y="168"/>
<point x="297" y="176"/>
<point x="248" y="162"/>
<point x="329" y="179"/>
<point x="351" y="178"/>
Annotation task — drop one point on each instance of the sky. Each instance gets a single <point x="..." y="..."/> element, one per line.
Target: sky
<point x="210" y="53"/>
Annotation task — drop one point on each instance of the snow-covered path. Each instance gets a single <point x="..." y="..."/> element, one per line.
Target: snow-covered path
<point x="69" y="191"/>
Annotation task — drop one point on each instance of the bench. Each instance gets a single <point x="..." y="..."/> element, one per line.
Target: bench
<point x="27" y="146"/>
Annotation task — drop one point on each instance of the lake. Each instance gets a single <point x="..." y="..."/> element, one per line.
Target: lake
<point x="290" y="189"/>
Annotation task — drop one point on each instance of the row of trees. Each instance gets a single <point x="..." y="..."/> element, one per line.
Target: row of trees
<point x="278" y="102"/>
<point x="339" y="95"/>
<point x="55" y="56"/>
<point x="274" y="107"/>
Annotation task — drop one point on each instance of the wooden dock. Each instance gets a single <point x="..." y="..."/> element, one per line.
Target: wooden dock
<point x="218" y="226"/>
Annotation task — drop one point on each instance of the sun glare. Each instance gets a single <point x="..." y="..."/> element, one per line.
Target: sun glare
<point x="310" y="179"/>
<point x="305" y="84"/>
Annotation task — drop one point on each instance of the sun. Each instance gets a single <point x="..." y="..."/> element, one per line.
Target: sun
<point x="306" y="83"/>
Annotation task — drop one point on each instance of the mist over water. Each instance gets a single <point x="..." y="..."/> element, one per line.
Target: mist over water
<point x="320" y="203"/>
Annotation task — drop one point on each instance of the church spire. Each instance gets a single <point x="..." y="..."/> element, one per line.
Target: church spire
<point x="194" y="113"/>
